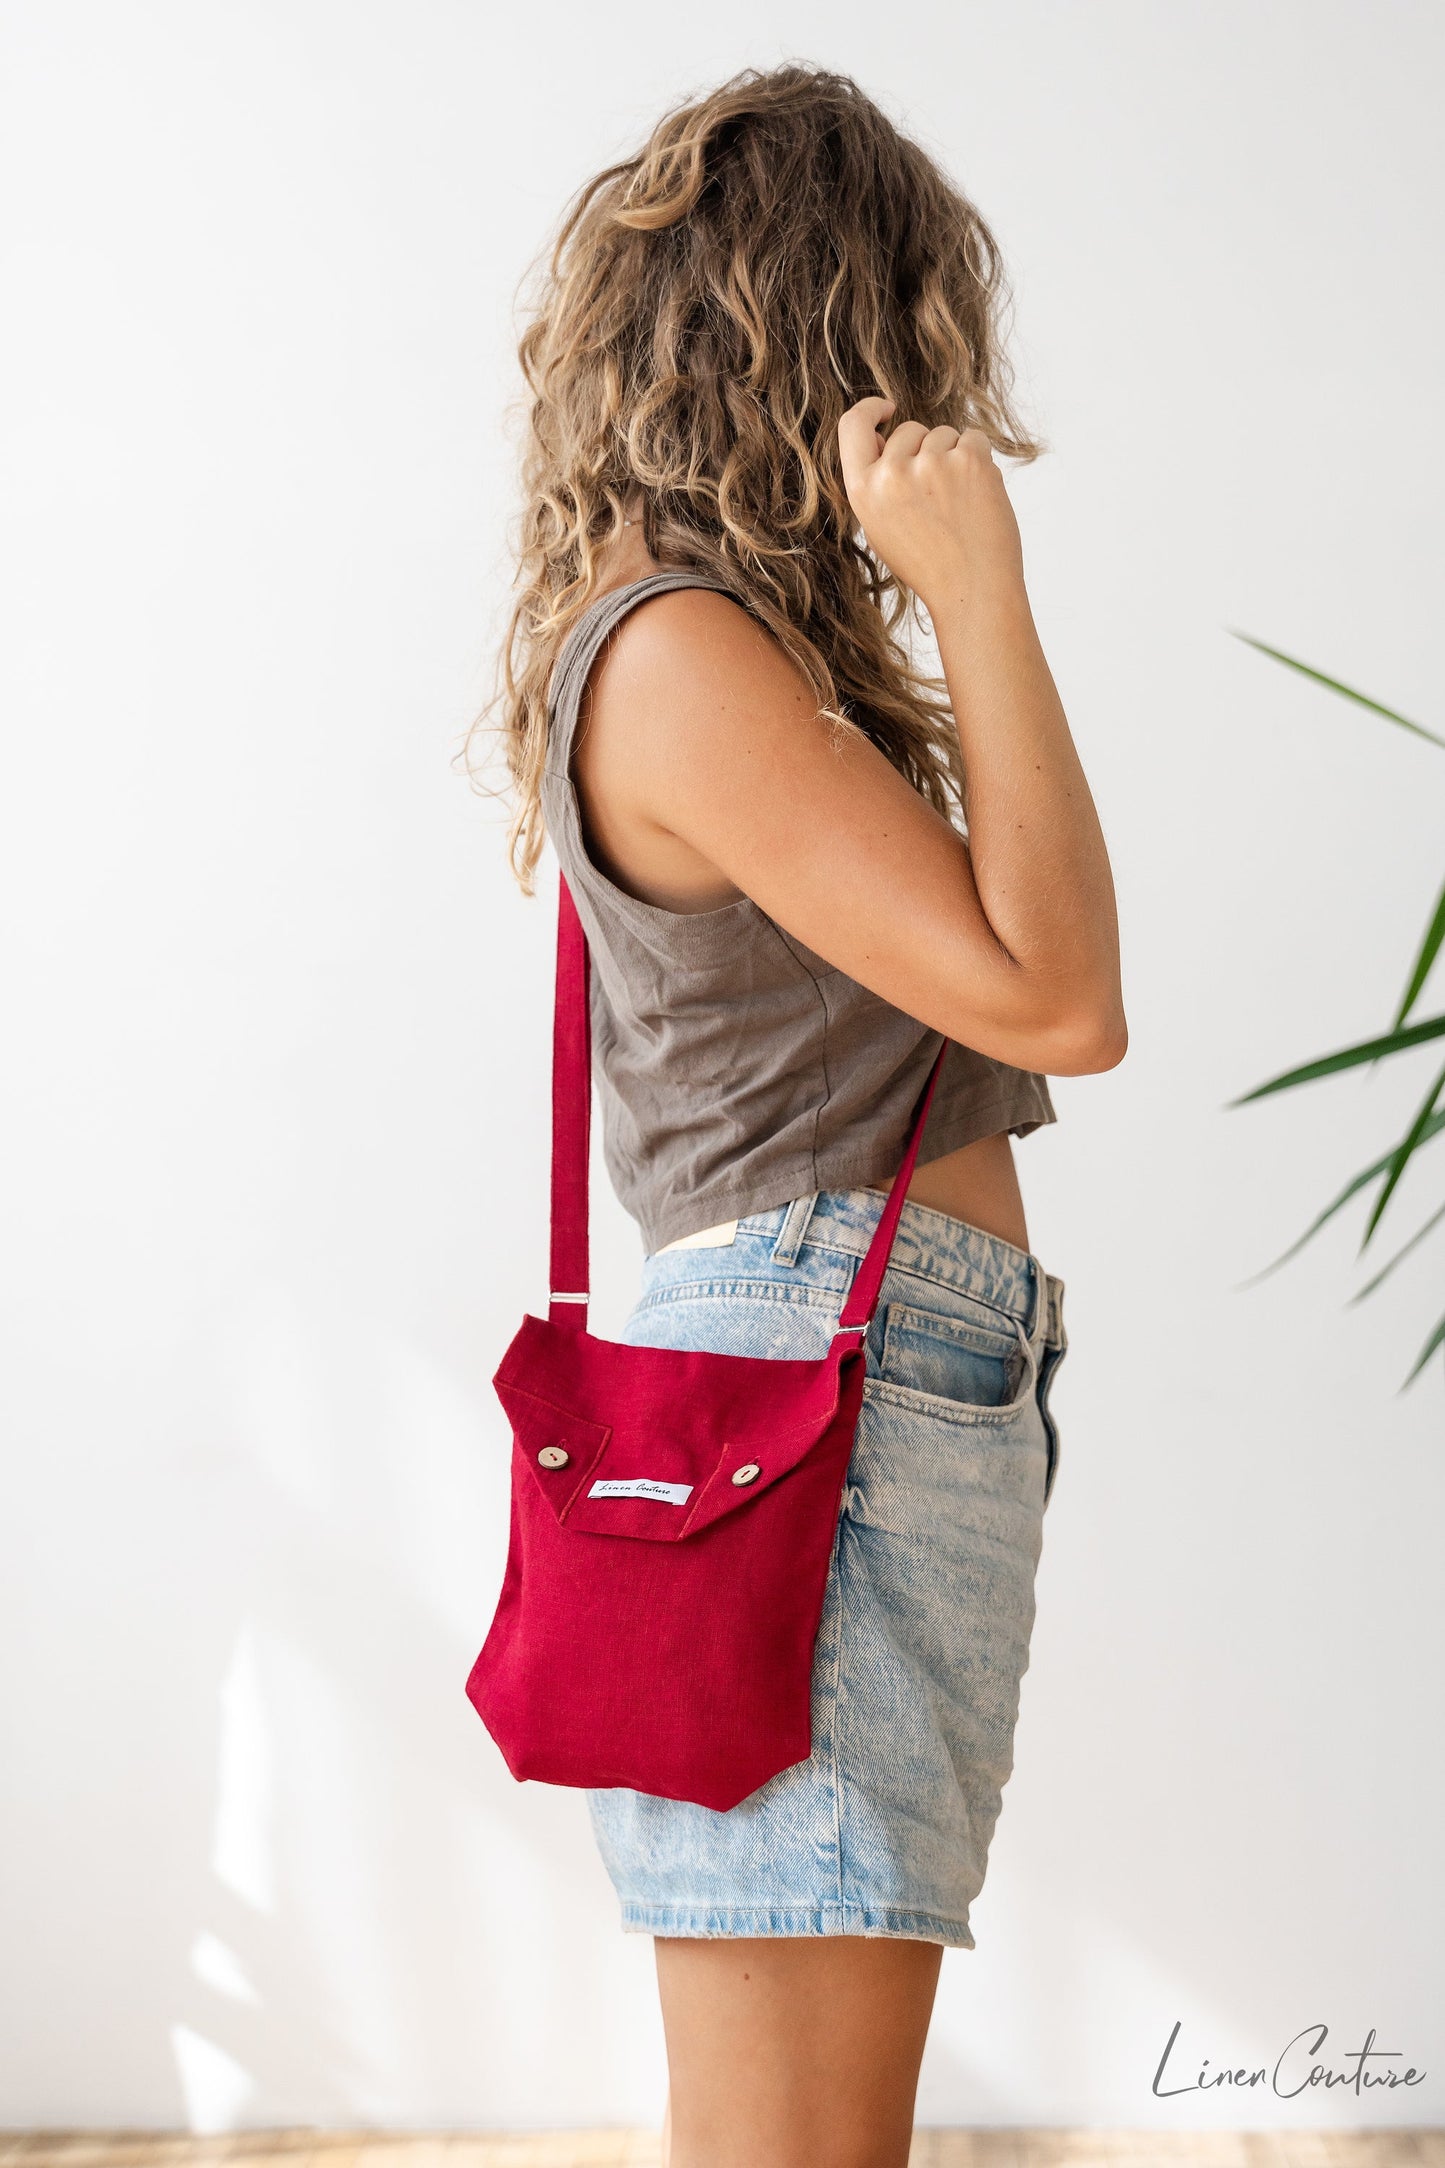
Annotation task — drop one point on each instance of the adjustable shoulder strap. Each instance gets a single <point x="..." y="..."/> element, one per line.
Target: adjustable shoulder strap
<point x="572" y="1013"/>
<point x="571" y="1142"/>
<point x="572" y="1018"/>
<point x="571" y="1119"/>
<point x="863" y="1295"/>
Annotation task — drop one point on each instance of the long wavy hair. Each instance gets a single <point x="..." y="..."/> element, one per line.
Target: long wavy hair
<point x="708" y="310"/>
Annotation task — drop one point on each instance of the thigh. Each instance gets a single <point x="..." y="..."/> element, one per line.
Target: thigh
<point x="801" y="2053"/>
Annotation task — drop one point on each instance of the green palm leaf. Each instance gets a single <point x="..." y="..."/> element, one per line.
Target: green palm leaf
<point x="1429" y="950"/>
<point x="1403" y="1153"/>
<point x="1436" y="1339"/>
<point x="1349" y="1057"/>
<point x="1427" y="1124"/>
<point x="1351" y="1189"/>
<point x="1346" y="692"/>
<point x="1385" y="1270"/>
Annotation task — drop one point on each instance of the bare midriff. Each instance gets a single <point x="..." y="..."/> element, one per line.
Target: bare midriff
<point x="978" y="1183"/>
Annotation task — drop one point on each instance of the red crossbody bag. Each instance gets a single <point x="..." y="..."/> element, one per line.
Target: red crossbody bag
<point x="673" y="1511"/>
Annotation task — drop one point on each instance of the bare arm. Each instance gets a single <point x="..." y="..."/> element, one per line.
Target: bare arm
<point x="934" y="507"/>
<point x="706" y="772"/>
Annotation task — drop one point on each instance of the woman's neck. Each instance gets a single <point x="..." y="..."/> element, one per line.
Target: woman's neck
<point x="626" y="557"/>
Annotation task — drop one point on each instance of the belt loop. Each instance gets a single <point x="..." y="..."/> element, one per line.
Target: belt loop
<point x="1058" y="1331"/>
<point x="1041" y="1313"/>
<point x="795" y="1226"/>
<point x="1048" y="1321"/>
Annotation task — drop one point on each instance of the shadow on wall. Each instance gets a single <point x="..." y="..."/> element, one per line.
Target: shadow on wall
<point x="326" y="1965"/>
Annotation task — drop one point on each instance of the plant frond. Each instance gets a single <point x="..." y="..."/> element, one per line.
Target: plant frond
<point x="1346" y="692"/>
<point x="1348" y="1057"/>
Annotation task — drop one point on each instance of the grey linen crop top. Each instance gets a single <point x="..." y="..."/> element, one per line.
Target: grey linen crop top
<point x="736" y="1069"/>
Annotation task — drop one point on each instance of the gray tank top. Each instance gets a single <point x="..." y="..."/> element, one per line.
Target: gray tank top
<point x="736" y="1069"/>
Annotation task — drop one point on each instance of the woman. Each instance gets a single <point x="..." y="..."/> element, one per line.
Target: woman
<point x="767" y="393"/>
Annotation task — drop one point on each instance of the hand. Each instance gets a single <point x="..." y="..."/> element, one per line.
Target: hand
<point x="932" y="504"/>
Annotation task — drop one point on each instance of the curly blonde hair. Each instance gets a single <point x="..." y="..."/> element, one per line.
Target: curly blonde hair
<point x="709" y="309"/>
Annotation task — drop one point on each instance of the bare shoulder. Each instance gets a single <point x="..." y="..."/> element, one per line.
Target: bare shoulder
<point x="706" y="771"/>
<point x="691" y="653"/>
<point x="693" y="713"/>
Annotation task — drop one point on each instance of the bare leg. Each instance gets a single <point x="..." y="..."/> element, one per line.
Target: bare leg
<point x="793" y="2051"/>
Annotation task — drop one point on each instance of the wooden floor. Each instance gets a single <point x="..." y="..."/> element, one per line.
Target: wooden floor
<point x="639" y="2149"/>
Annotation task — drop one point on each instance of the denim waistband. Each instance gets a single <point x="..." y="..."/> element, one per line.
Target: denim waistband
<point x="935" y="1245"/>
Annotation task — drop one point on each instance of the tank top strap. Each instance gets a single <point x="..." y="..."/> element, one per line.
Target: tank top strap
<point x="583" y="643"/>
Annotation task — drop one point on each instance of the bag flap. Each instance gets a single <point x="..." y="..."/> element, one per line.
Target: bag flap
<point x="558" y="1447"/>
<point x="667" y="1441"/>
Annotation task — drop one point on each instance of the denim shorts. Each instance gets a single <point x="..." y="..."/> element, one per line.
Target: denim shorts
<point x="929" y="1609"/>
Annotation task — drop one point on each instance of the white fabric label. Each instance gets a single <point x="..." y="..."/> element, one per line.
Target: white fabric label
<point x="671" y="1494"/>
<point x="707" y="1238"/>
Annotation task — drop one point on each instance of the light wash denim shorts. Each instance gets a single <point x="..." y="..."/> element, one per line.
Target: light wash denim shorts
<point x="929" y="1610"/>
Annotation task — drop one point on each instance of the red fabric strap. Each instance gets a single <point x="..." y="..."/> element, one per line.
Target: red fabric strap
<point x="572" y="1131"/>
<point x="863" y="1295"/>
<point x="571" y="1117"/>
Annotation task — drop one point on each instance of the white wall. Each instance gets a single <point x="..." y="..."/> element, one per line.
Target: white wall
<point x="277" y="1053"/>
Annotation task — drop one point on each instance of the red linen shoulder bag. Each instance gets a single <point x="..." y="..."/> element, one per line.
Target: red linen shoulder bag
<point x="673" y="1511"/>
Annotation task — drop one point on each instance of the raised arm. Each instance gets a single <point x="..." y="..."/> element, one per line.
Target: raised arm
<point x="706" y="771"/>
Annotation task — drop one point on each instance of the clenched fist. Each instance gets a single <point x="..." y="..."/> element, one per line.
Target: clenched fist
<point x="932" y="505"/>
